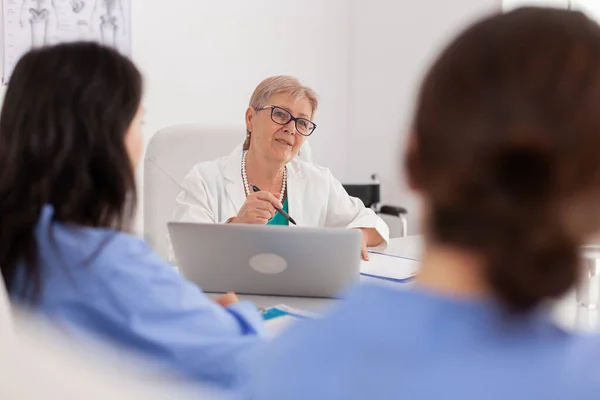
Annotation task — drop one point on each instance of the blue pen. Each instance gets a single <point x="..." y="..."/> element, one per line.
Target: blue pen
<point x="281" y="211"/>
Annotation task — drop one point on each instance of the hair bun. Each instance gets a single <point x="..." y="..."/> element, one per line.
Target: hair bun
<point x="524" y="171"/>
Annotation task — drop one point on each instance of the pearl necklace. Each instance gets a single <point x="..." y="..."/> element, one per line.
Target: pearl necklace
<point x="245" y="178"/>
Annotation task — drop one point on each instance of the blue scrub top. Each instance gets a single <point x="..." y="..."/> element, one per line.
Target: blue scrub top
<point x="115" y="287"/>
<point x="386" y="343"/>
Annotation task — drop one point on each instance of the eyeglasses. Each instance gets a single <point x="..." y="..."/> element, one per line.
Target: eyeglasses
<point x="281" y="116"/>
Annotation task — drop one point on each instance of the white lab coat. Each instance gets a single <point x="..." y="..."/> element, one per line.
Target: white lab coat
<point x="214" y="192"/>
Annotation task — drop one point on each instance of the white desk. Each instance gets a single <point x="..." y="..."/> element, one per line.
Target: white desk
<point x="304" y="303"/>
<point x="566" y="311"/>
<point x="409" y="247"/>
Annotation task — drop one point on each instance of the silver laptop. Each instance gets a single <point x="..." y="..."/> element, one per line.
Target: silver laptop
<point x="269" y="260"/>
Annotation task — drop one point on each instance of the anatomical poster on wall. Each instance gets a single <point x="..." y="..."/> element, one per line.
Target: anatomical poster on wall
<point x="33" y="23"/>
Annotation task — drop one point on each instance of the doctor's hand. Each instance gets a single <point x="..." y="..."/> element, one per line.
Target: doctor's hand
<point x="227" y="299"/>
<point x="364" y="252"/>
<point x="258" y="209"/>
<point x="370" y="237"/>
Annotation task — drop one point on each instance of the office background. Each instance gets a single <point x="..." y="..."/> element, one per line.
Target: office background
<point x="341" y="48"/>
<point x="202" y="59"/>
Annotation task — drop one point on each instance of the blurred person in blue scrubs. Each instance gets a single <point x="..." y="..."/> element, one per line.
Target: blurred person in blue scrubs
<point x="505" y="156"/>
<point x="70" y="140"/>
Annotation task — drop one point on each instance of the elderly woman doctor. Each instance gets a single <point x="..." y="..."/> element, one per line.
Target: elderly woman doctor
<point x="278" y="121"/>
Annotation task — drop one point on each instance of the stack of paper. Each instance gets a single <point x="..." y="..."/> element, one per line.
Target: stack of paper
<point x="388" y="267"/>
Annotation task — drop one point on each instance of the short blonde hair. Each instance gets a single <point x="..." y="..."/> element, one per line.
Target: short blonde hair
<point x="276" y="85"/>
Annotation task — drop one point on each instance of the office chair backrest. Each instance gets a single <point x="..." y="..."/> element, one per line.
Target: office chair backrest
<point x="369" y="193"/>
<point x="170" y="155"/>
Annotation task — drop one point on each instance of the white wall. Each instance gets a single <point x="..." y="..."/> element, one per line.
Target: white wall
<point x="392" y="44"/>
<point x="590" y="7"/>
<point x="364" y="58"/>
<point x="202" y="60"/>
<point x="508" y="4"/>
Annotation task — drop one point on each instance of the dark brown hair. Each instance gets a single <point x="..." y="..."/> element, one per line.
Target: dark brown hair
<point x="507" y="148"/>
<point x="66" y="112"/>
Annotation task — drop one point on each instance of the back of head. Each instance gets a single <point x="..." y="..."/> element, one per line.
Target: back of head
<point x="62" y="143"/>
<point x="507" y="131"/>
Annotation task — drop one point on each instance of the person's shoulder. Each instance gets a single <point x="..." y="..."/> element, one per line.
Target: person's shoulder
<point x="375" y="303"/>
<point x="105" y="246"/>
<point x="74" y="243"/>
<point x="322" y="347"/>
<point x="372" y="293"/>
<point x="104" y="253"/>
<point x="123" y="263"/>
<point x="363" y="306"/>
<point x="124" y="244"/>
<point x="121" y="251"/>
<point x="580" y="366"/>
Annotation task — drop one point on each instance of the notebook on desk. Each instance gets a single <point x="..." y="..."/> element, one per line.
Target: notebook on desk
<point x="389" y="267"/>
